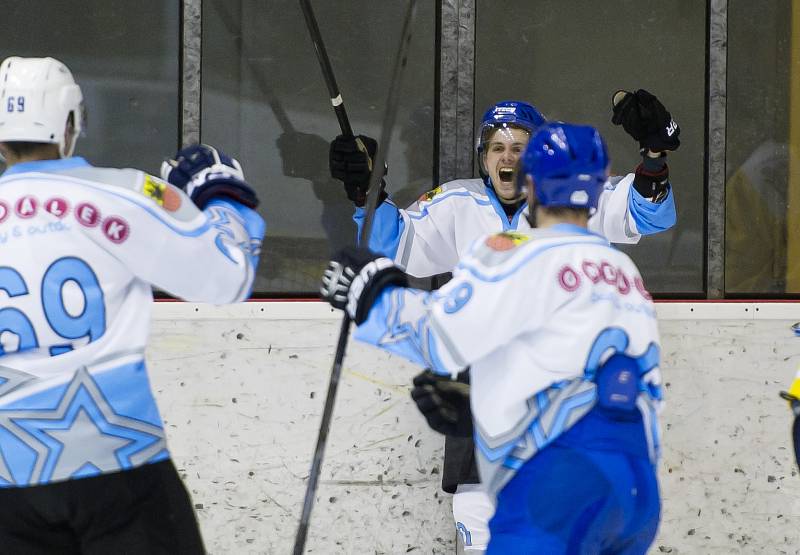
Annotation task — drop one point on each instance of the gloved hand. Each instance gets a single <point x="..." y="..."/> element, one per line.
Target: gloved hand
<point x="651" y="177"/>
<point x="355" y="278"/>
<point x="350" y="161"/>
<point x="205" y="173"/>
<point x="645" y="119"/>
<point x="444" y="403"/>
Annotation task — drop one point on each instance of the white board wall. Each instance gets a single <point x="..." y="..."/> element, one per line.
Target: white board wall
<point x="241" y="390"/>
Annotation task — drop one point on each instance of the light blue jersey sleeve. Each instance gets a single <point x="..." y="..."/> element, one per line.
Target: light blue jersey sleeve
<point x="387" y="228"/>
<point x="251" y="221"/>
<point x="652" y="217"/>
<point x="399" y="322"/>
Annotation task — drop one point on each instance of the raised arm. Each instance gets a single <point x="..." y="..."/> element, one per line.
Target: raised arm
<point x="209" y="235"/>
<point x="640" y="203"/>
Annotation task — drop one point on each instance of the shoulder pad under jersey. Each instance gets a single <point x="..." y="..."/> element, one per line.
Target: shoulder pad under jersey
<point x="468" y="185"/>
<point x="163" y="194"/>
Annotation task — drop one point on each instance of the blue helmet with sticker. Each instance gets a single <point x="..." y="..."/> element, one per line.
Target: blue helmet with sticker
<point x="568" y="164"/>
<point x="508" y="113"/>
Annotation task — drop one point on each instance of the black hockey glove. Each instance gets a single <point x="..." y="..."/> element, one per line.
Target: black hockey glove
<point x="205" y="173"/>
<point x="354" y="279"/>
<point x="645" y="119"/>
<point x="651" y="177"/>
<point x="444" y="403"/>
<point x="350" y="161"/>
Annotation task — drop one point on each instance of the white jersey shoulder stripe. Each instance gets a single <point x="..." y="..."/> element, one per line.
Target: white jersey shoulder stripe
<point x="416" y="215"/>
<point x="459" y="188"/>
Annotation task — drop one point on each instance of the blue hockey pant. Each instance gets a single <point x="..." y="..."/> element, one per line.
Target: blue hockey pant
<point x="592" y="491"/>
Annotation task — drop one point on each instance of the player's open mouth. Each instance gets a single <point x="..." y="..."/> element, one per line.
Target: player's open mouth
<point x="506" y="175"/>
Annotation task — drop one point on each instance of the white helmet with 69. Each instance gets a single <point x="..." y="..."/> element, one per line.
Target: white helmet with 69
<point x="40" y="103"/>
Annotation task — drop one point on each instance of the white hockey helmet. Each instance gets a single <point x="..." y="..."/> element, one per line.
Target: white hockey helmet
<point x="37" y="96"/>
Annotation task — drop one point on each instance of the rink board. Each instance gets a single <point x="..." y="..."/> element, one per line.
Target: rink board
<point x="241" y="390"/>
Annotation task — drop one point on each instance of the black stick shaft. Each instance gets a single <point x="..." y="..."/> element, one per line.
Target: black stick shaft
<point x="322" y="438"/>
<point x="375" y="186"/>
<point x="327" y="70"/>
<point x="389" y="116"/>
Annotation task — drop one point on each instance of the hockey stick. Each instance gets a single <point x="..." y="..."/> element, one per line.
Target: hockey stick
<point x="327" y="70"/>
<point x="373" y="193"/>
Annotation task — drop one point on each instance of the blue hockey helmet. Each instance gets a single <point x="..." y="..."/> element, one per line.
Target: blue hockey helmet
<point x="568" y="164"/>
<point x="507" y="113"/>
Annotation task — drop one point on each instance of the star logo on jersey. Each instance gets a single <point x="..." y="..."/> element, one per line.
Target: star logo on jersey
<point x="164" y="194"/>
<point x="506" y="241"/>
<point x="11" y="379"/>
<point x="429" y="195"/>
<point x="81" y="435"/>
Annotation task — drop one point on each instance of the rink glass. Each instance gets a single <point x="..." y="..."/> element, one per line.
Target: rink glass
<point x="570" y="57"/>
<point x="127" y="67"/>
<point x="264" y="99"/>
<point x="762" y="222"/>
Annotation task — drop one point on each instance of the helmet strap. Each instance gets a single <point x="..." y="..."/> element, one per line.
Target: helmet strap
<point x="533" y="202"/>
<point x="531" y="215"/>
<point x="67" y="147"/>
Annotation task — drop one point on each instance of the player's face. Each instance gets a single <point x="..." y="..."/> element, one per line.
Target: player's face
<point x="503" y="149"/>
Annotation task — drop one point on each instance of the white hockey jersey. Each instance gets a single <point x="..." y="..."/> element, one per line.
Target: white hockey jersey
<point x="79" y="249"/>
<point x="533" y="315"/>
<point x="432" y="235"/>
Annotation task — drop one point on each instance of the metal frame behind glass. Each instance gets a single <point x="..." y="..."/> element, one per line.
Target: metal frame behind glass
<point x="456" y="108"/>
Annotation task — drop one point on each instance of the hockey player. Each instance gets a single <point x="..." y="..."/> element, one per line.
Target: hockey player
<point x="85" y="466"/>
<point x="565" y="380"/>
<point x="431" y="235"/>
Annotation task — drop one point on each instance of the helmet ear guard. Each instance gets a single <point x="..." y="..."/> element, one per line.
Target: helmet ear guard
<point x="71" y="98"/>
<point x="37" y="97"/>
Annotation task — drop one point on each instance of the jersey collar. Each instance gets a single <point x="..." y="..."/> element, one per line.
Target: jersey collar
<point x="47" y="165"/>
<point x="496" y="204"/>
<point x="574" y="229"/>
